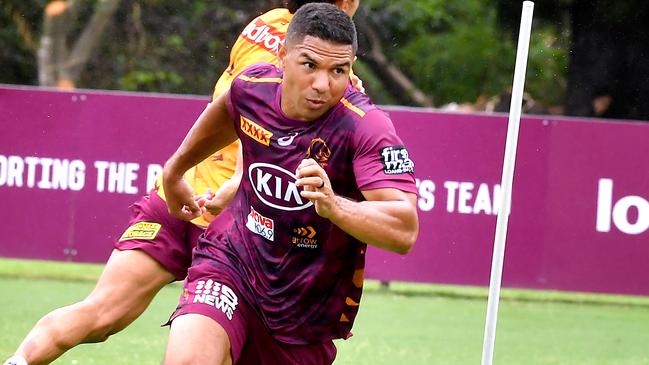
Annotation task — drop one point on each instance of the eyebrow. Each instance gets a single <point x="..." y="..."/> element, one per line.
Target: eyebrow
<point x="310" y="59"/>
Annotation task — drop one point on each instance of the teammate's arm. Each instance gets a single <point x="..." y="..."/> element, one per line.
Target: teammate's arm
<point x="387" y="219"/>
<point x="212" y="131"/>
<point x="224" y="195"/>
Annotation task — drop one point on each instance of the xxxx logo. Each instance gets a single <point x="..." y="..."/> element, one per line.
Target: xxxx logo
<point x="307" y="231"/>
<point x="255" y="131"/>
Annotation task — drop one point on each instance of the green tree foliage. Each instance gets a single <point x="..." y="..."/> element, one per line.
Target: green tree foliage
<point x="178" y="46"/>
<point x="170" y="46"/>
<point x="547" y="65"/>
<point x="457" y="51"/>
<point x="454" y="51"/>
<point x="20" y="22"/>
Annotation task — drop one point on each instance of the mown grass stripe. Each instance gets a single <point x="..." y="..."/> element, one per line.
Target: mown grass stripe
<point x="70" y="271"/>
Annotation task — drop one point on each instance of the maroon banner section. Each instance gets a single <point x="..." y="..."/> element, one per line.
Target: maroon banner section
<point x="579" y="217"/>
<point x="72" y="162"/>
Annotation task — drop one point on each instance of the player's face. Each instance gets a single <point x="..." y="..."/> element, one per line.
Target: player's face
<point x="316" y="74"/>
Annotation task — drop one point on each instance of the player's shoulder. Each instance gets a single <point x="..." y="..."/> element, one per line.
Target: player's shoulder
<point x="357" y="104"/>
<point x="363" y="116"/>
<point x="268" y="27"/>
<point x="276" y="16"/>
<point x="260" y="72"/>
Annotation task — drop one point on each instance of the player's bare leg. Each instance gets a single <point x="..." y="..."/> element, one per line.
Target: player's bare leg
<point x="195" y="331"/>
<point x="129" y="282"/>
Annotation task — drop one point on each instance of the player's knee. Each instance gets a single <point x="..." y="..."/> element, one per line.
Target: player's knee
<point x="52" y="329"/>
<point x="101" y="320"/>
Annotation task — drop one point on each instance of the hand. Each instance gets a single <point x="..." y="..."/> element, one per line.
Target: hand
<point x="317" y="187"/>
<point x="211" y="204"/>
<point x="357" y="83"/>
<point x="180" y="199"/>
<point x="202" y="200"/>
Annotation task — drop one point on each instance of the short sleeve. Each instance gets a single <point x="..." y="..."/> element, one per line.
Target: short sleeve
<point x="230" y="105"/>
<point x="381" y="160"/>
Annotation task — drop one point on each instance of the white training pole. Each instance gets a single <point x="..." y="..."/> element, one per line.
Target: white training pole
<point x="506" y="182"/>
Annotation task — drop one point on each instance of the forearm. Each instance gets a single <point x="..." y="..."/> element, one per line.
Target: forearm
<point x="228" y="189"/>
<point x="211" y="132"/>
<point x="226" y="192"/>
<point x="390" y="225"/>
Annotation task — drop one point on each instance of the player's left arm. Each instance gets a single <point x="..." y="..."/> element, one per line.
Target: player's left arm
<point x="387" y="219"/>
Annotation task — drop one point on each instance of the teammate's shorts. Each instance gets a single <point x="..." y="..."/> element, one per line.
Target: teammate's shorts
<point x="165" y="238"/>
<point x="210" y="293"/>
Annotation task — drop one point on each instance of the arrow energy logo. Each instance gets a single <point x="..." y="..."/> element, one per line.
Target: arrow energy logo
<point x="305" y="237"/>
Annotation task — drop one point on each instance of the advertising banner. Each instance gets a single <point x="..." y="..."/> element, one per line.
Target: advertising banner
<point x="71" y="162"/>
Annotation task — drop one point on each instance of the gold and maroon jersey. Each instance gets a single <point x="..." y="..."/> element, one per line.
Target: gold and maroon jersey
<point x="300" y="272"/>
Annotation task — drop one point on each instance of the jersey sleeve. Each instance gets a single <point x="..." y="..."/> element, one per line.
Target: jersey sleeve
<point x="234" y="115"/>
<point x="259" y="41"/>
<point x="380" y="159"/>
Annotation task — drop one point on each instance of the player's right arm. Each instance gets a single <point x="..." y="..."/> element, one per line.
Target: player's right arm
<point x="212" y="131"/>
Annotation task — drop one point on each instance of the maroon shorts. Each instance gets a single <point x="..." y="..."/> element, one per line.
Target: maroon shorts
<point x="211" y="294"/>
<point x="167" y="239"/>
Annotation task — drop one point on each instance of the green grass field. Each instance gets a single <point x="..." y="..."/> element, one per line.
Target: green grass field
<point x="405" y="324"/>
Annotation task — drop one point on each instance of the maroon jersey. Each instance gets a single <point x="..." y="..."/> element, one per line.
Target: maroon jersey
<point x="301" y="273"/>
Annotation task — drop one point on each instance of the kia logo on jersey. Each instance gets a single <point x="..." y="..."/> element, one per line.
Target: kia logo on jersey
<point x="275" y="187"/>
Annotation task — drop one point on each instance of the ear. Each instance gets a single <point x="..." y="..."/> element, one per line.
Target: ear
<point x="281" y="54"/>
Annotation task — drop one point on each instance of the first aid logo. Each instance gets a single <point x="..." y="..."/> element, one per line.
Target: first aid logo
<point x="395" y="160"/>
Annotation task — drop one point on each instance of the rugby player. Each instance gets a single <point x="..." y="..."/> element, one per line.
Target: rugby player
<point x="279" y="273"/>
<point x="156" y="247"/>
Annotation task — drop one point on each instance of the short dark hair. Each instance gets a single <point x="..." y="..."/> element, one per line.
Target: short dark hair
<point x="324" y="21"/>
<point x="294" y="5"/>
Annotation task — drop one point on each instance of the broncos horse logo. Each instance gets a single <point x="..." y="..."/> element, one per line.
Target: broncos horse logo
<point x="319" y="151"/>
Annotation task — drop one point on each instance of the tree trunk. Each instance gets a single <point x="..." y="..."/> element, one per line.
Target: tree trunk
<point x="58" y="65"/>
<point x="402" y="87"/>
<point x="89" y="39"/>
<point x="51" y="43"/>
